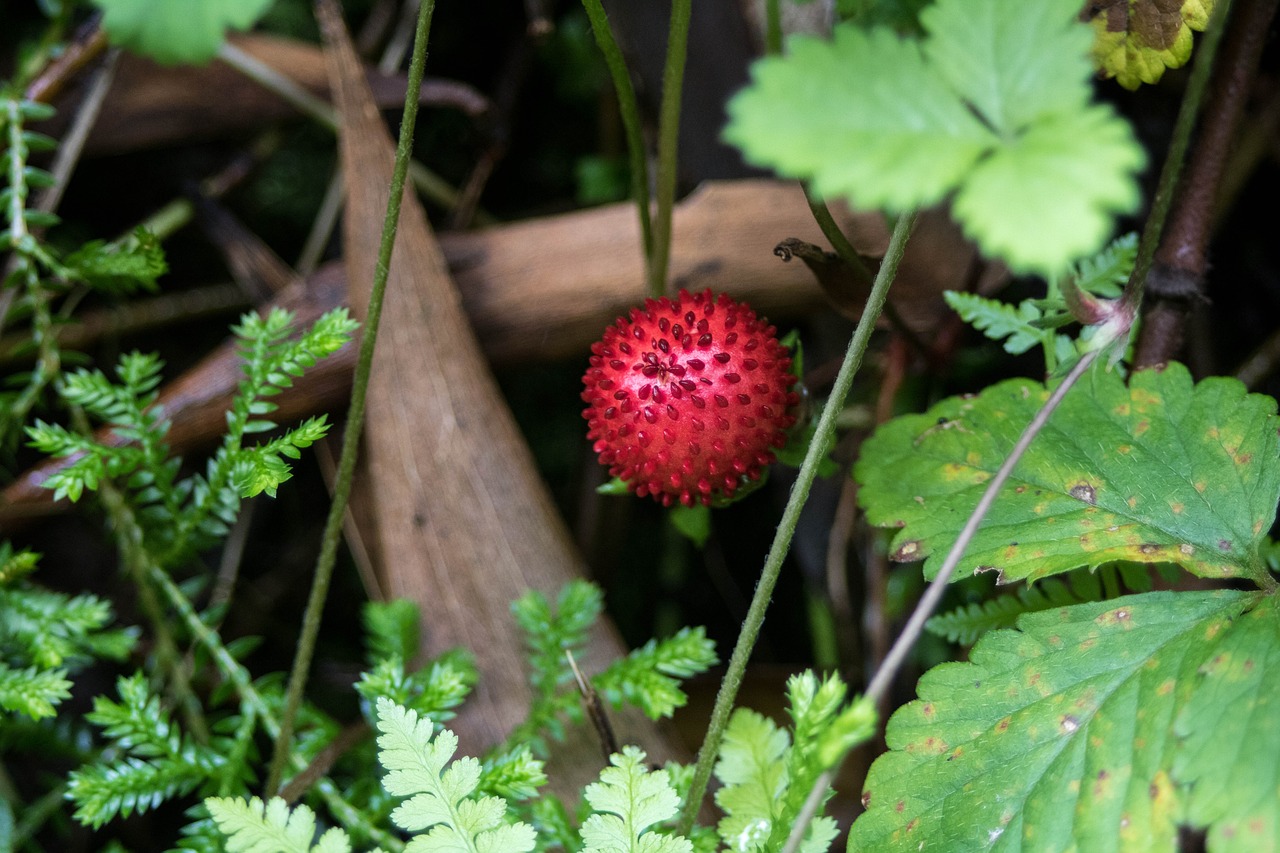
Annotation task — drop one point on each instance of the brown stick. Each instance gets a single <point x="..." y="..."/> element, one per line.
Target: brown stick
<point x="1177" y="279"/>
<point x="464" y="524"/>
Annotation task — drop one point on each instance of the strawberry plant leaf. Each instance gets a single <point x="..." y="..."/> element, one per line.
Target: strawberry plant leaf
<point x="1230" y="752"/>
<point x="1056" y="736"/>
<point x="1159" y="471"/>
<point x="992" y="106"/>
<point x="187" y="31"/>
<point x="1136" y="40"/>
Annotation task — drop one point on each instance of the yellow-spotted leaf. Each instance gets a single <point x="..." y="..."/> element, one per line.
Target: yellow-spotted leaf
<point x="1229" y="754"/>
<point x="1059" y="735"/>
<point x="1159" y="470"/>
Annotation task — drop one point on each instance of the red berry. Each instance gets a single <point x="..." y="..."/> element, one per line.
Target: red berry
<point x="687" y="399"/>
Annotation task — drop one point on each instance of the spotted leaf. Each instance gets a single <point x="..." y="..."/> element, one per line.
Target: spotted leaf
<point x="1229" y="752"/>
<point x="1157" y="471"/>
<point x="1060" y="735"/>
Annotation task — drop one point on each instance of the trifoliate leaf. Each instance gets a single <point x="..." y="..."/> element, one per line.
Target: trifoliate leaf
<point x="177" y="31"/>
<point x="1136" y="40"/>
<point x="1159" y="471"/>
<point x="991" y="106"/>
<point x="628" y="801"/>
<point x="827" y="111"/>
<point x="1057" y="736"/>
<point x="1230" y="752"/>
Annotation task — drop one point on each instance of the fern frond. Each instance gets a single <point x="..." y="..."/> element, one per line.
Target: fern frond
<point x="102" y="792"/>
<point x="628" y="801"/>
<point x="647" y="677"/>
<point x="1106" y="272"/>
<point x="550" y="632"/>
<point x="255" y="827"/>
<point x="33" y="692"/>
<point x="154" y="762"/>
<point x="967" y="623"/>
<point x="999" y="321"/>
<point x="442" y="800"/>
<point x="391" y="629"/>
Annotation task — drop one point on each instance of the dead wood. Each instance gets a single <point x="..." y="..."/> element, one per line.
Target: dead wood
<point x="464" y="525"/>
<point x="151" y="106"/>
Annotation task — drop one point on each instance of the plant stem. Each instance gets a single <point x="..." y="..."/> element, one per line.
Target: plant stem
<point x="668" y="143"/>
<point x="937" y="587"/>
<point x="772" y="26"/>
<point x="629" y="109"/>
<point x="790" y="516"/>
<point x="355" y="413"/>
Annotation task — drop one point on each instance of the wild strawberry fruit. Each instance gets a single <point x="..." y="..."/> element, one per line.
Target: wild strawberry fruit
<point x="688" y="398"/>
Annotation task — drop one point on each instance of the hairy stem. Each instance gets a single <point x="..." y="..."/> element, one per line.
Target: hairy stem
<point x="629" y="109"/>
<point x="668" y="143"/>
<point x="355" y="413"/>
<point x="790" y="516"/>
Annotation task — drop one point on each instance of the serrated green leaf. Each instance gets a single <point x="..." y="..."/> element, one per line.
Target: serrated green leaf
<point x="1056" y="736"/>
<point x="1089" y="151"/>
<point x="1160" y="471"/>
<point x="898" y="144"/>
<point x="1230" y="748"/>
<point x="991" y="105"/>
<point x="628" y="801"/>
<point x="177" y="31"/>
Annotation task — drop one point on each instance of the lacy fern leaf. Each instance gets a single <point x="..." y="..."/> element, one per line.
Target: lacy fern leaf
<point x="255" y="827"/>
<point x="647" y="677"/>
<point x="442" y="800"/>
<point x="628" y="801"/>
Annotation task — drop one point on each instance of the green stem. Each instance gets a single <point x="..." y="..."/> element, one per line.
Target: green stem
<point x="355" y="413"/>
<point x="668" y="139"/>
<point x="836" y="237"/>
<point x="773" y="26"/>
<point x="629" y="109"/>
<point x="790" y="516"/>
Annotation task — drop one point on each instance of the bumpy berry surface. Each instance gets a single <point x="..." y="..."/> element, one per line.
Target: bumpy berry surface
<point x="688" y="398"/>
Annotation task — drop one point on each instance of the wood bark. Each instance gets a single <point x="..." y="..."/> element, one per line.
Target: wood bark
<point x="463" y="522"/>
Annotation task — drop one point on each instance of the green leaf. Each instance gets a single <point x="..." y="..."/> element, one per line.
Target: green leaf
<point x="999" y="320"/>
<point x="1056" y="736"/>
<point x="121" y="267"/>
<point x="35" y="693"/>
<point x="693" y="522"/>
<point x="442" y="799"/>
<point x="628" y="800"/>
<point x="647" y="677"/>
<point x="177" y="31"/>
<point x="992" y="105"/>
<point x="1230" y="749"/>
<point x="1161" y="471"/>
<point x="254" y="827"/>
<point x="966" y="624"/>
